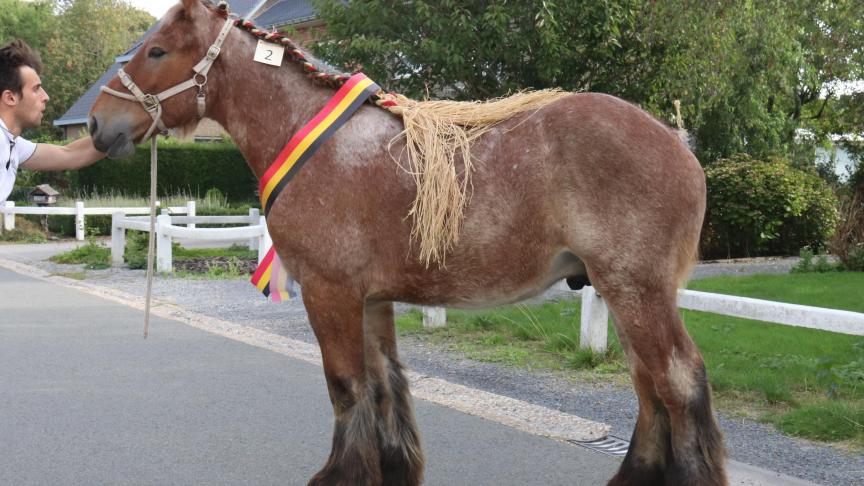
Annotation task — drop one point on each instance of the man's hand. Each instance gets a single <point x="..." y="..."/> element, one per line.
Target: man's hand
<point x="76" y="155"/>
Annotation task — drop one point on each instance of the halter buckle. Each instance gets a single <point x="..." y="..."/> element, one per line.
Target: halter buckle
<point x="201" y="83"/>
<point x="150" y="102"/>
<point x="213" y="52"/>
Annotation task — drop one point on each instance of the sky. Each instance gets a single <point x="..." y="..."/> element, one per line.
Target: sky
<point x="157" y="8"/>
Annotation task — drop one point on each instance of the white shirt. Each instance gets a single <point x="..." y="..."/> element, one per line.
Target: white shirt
<point x="13" y="155"/>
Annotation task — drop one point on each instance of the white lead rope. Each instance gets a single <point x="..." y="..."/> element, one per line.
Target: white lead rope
<point x="151" y="240"/>
<point x="152" y="104"/>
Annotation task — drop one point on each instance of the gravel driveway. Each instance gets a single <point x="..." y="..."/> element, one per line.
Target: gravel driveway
<point x="237" y="301"/>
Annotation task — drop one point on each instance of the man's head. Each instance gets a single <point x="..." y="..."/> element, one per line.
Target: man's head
<point x="21" y="93"/>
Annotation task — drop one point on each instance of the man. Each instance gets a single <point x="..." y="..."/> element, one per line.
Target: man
<point x="22" y="103"/>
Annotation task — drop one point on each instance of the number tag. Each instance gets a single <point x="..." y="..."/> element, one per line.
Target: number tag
<point x="268" y="53"/>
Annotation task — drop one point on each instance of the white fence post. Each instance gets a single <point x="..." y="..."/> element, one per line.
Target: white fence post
<point x="190" y="211"/>
<point x="118" y="239"/>
<point x="264" y="242"/>
<point x="254" y="216"/>
<point x="434" y="317"/>
<point x="163" y="244"/>
<point x="9" y="216"/>
<point x="79" y="220"/>
<point x="595" y="320"/>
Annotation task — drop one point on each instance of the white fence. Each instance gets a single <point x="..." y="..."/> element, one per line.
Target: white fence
<point x="595" y="314"/>
<point x="80" y="213"/>
<point x="167" y="230"/>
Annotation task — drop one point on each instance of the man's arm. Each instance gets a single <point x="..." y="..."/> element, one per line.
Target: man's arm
<point x="76" y="155"/>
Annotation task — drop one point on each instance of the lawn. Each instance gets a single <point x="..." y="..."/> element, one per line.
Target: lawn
<point x="808" y="383"/>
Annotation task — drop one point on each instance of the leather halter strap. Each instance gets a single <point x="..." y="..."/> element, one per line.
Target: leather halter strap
<point x="152" y="103"/>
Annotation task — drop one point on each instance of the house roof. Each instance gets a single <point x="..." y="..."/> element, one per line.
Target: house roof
<point x="45" y="189"/>
<point x="286" y="12"/>
<point x="78" y="112"/>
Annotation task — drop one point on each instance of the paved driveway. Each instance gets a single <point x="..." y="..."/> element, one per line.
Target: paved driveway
<point x="85" y="400"/>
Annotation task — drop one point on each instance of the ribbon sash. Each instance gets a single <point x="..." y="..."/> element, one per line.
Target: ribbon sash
<point x="270" y="277"/>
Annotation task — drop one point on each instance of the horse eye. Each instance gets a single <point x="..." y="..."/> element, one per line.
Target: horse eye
<point x="156" y="52"/>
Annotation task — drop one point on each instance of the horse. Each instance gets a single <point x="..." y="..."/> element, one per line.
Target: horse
<point x="589" y="187"/>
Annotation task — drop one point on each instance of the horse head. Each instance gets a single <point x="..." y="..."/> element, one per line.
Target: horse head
<point x="168" y="83"/>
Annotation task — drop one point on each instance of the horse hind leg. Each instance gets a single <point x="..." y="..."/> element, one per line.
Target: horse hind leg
<point x="399" y="443"/>
<point x="337" y="320"/>
<point x="676" y="440"/>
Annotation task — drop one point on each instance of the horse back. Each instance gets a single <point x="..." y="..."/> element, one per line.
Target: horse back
<point x="551" y="189"/>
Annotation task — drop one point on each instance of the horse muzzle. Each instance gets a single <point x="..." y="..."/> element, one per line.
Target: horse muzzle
<point x="114" y="138"/>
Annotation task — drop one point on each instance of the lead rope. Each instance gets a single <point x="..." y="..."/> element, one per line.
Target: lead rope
<point x="151" y="240"/>
<point x="152" y="104"/>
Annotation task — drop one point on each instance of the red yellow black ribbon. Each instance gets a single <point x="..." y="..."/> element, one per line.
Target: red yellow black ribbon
<point x="270" y="278"/>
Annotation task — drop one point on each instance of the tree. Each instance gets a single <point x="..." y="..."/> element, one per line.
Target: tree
<point x="32" y="22"/>
<point x="89" y="35"/>
<point x="472" y="50"/>
<point x="749" y="73"/>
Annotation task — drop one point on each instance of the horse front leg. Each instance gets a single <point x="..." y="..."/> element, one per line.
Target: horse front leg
<point x="676" y="440"/>
<point x="337" y="319"/>
<point x="401" y="455"/>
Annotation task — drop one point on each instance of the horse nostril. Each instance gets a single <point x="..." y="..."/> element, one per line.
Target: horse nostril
<point x="93" y="125"/>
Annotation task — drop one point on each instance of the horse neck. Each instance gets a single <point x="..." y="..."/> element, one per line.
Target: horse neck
<point x="262" y="106"/>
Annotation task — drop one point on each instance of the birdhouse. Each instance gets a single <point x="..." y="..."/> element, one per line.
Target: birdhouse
<point x="43" y="195"/>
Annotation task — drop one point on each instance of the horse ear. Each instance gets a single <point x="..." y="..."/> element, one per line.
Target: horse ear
<point x="190" y="5"/>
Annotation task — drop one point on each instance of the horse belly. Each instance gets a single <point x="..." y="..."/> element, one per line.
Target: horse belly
<point x="508" y="292"/>
<point x="489" y="286"/>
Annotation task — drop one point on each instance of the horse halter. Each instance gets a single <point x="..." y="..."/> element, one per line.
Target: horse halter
<point x="151" y="103"/>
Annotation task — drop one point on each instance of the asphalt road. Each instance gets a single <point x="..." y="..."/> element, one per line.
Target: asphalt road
<point x="85" y="400"/>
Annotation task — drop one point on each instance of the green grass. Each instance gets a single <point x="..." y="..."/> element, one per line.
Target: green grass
<point x="241" y="252"/>
<point x="780" y="374"/>
<point x="95" y="199"/>
<point x="543" y="337"/>
<point x="829" y="420"/>
<point x="814" y="379"/>
<point x="93" y="255"/>
<point x="232" y="269"/>
<point x="840" y="290"/>
<point x="72" y="275"/>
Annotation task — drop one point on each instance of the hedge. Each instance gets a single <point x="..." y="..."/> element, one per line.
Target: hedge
<point x="188" y="168"/>
<point x="765" y="207"/>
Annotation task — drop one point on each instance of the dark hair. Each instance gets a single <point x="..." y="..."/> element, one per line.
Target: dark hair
<point x="13" y="56"/>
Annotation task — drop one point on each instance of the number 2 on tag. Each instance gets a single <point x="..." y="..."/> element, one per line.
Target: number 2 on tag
<point x="268" y="53"/>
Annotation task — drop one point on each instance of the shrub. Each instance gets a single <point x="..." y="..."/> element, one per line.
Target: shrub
<point x="135" y="253"/>
<point x="822" y="265"/>
<point x="758" y="207"/>
<point x="183" y="168"/>
<point x="25" y="231"/>
<point x="92" y="255"/>
<point x="848" y="241"/>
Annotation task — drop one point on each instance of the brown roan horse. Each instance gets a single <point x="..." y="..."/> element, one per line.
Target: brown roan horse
<point x="588" y="186"/>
